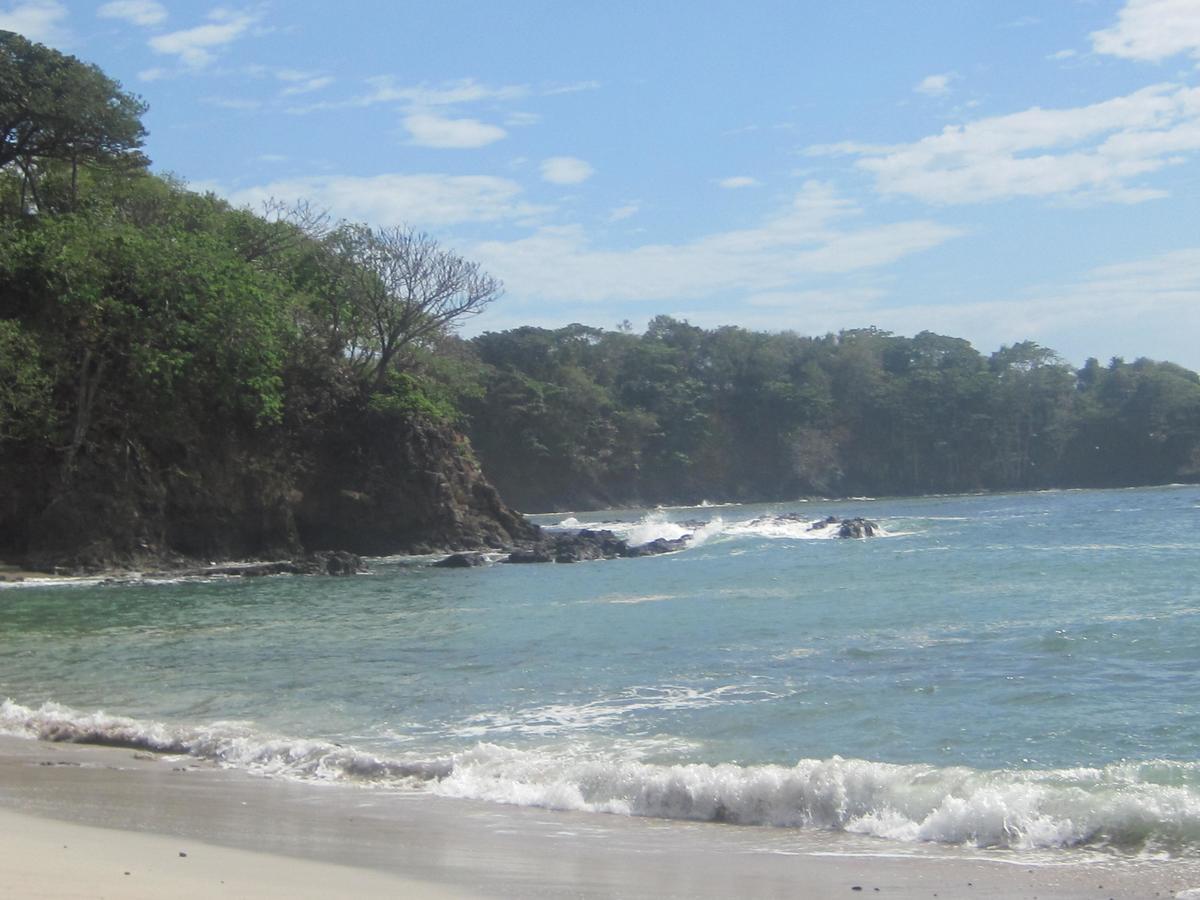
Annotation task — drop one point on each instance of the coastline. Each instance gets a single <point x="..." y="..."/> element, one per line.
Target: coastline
<point x="118" y="810"/>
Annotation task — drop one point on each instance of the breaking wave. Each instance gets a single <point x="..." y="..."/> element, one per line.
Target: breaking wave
<point x="658" y="524"/>
<point x="1128" y="807"/>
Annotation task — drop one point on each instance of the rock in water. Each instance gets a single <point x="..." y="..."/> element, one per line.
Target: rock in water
<point x="857" y="528"/>
<point x="530" y="555"/>
<point x="333" y="562"/>
<point x="589" y="544"/>
<point x="461" y="561"/>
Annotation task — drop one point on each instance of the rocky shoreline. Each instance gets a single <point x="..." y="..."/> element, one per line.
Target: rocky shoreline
<point x="583" y="545"/>
<point x="592" y="544"/>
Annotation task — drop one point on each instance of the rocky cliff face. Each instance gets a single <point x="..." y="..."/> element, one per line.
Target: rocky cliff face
<point x="382" y="485"/>
<point x="396" y="486"/>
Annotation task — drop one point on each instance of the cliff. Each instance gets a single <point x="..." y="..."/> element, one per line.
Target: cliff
<point x="390" y="485"/>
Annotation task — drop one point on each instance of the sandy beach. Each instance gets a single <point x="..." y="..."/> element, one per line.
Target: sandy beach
<point x="110" y="822"/>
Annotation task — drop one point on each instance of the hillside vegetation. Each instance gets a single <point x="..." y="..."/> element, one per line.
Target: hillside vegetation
<point x="580" y="417"/>
<point x="180" y="378"/>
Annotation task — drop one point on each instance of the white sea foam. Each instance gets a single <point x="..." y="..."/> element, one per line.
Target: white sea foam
<point x="561" y="718"/>
<point x="657" y="524"/>
<point x="1149" y="807"/>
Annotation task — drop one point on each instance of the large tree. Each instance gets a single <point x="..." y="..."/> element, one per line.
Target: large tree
<point x="56" y="109"/>
<point x="403" y="290"/>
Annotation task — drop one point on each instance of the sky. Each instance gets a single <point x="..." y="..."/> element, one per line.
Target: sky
<point x="998" y="170"/>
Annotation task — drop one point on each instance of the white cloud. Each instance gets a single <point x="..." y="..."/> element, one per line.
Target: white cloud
<point x="195" y="46"/>
<point x="425" y="96"/>
<point x="738" y="181"/>
<point x="417" y="200"/>
<point x="566" y="170"/>
<point x="1088" y="153"/>
<point x="624" y="212"/>
<point x="136" y="12"/>
<point x="306" y="85"/>
<point x="935" y="85"/>
<point x="789" y="249"/>
<point x="240" y="103"/>
<point x="1152" y="30"/>
<point x="1148" y="307"/>
<point x="1063" y="54"/>
<point x="519" y="119"/>
<point x="572" y="88"/>
<point x="450" y="93"/>
<point x="432" y="130"/>
<point x="37" y="20"/>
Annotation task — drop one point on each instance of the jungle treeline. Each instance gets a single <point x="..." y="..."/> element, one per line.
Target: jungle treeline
<point x="581" y="417"/>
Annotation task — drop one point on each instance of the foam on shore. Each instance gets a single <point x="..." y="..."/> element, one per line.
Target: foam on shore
<point x="1150" y="807"/>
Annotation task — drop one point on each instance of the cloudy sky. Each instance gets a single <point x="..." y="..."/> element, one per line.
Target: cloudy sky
<point x="998" y="170"/>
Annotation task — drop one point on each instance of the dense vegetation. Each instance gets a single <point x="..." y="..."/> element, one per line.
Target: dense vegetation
<point x="179" y="377"/>
<point x="579" y="416"/>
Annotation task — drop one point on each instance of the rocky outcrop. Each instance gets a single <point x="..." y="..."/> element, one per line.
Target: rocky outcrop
<point x="404" y="486"/>
<point x="462" y="561"/>
<point x="857" y="527"/>
<point x="376" y="485"/>
<point x="572" y="547"/>
<point x="324" y="562"/>
<point x="588" y="544"/>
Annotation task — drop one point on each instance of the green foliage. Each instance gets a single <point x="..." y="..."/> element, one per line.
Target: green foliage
<point x="407" y="395"/>
<point x="26" y="411"/>
<point x="580" y="416"/>
<point x="55" y="109"/>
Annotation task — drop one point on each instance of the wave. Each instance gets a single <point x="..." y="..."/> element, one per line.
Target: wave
<point x="1126" y="807"/>
<point x="657" y="524"/>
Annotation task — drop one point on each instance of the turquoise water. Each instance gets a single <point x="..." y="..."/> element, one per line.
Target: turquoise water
<point x="1016" y="670"/>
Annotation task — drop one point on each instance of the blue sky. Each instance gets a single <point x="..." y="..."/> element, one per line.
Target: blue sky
<point x="992" y="170"/>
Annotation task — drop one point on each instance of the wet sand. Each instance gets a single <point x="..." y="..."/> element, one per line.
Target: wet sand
<point x="76" y="819"/>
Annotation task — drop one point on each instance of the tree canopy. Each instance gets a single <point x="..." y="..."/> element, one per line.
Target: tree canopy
<point x="56" y="109"/>
<point x="580" y="416"/>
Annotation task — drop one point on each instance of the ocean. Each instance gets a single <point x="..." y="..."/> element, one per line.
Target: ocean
<point x="1016" y="671"/>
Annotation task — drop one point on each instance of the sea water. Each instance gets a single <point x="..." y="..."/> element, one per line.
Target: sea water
<point x="1014" y="671"/>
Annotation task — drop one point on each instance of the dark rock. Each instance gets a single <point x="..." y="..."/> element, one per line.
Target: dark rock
<point x="461" y="561"/>
<point x="534" y="555"/>
<point x="322" y="562"/>
<point x="857" y="528"/>
<point x="333" y="562"/>
<point x="370" y="484"/>
<point x="589" y="544"/>
<point x="391" y="486"/>
<point x="251" y="570"/>
<point x="657" y="546"/>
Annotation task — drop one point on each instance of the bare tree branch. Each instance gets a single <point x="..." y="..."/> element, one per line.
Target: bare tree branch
<point x="407" y="289"/>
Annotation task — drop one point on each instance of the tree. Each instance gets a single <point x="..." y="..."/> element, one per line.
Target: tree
<point x="55" y="108"/>
<point x="405" y="290"/>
